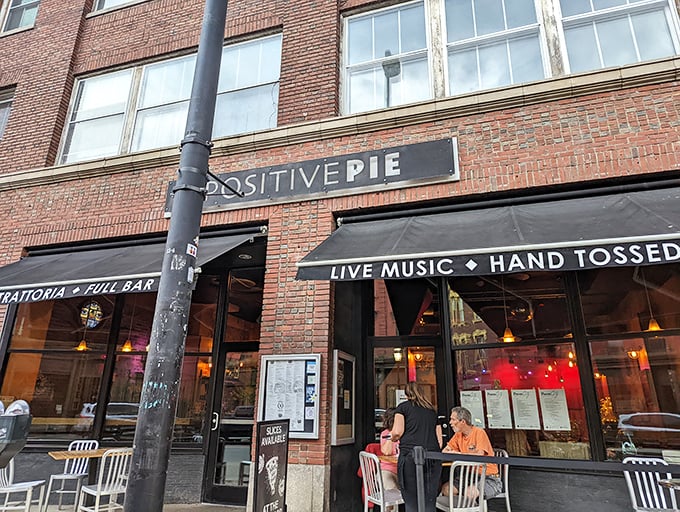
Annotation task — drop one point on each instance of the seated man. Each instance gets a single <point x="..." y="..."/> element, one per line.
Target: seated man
<point x="472" y="440"/>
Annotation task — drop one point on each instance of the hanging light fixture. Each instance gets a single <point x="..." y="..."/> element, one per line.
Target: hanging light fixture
<point x="508" y="336"/>
<point x="90" y="316"/>
<point x="82" y="346"/>
<point x="633" y="354"/>
<point x="127" y="346"/>
<point x="653" y="325"/>
<point x="397" y="355"/>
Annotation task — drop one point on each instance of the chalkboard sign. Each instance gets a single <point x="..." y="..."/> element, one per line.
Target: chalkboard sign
<point x="289" y="389"/>
<point x="271" y="456"/>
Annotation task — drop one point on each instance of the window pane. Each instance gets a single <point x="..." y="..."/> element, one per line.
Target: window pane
<point x="270" y="60"/>
<point x="160" y="126"/>
<point x="366" y="90"/>
<point x="525" y="55"/>
<point x="107" y="4"/>
<point x="463" y="74"/>
<point x="413" y="84"/>
<point x="616" y="42"/>
<point x="101" y="96"/>
<point x="489" y="16"/>
<point x="245" y="305"/>
<point x="622" y="300"/>
<point x="57" y="387"/>
<point x="638" y="395"/>
<point x="167" y="82"/>
<point x="532" y="305"/>
<point x="413" y="29"/>
<point x="22" y="13"/>
<point x="360" y="35"/>
<point x="527" y="397"/>
<point x="493" y="63"/>
<point x="409" y="307"/>
<point x="459" y="21"/>
<point x="520" y="13"/>
<point x="653" y="35"/>
<point x="605" y="4"/>
<point x="572" y="7"/>
<point x="5" y="107"/>
<point x="386" y="34"/>
<point x="582" y="48"/>
<point x="246" y="110"/>
<point x="93" y="139"/>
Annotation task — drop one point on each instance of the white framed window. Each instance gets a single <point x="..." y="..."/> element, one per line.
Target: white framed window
<point x="492" y="43"/>
<point x="146" y="107"/>
<point x="5" y="108"/>
<point x="461" y="46"/>
<point x="605" y="33"/>
<point x="387" y="58"/>
<point x="20" y="14"/>
<point x="100" y="5"/>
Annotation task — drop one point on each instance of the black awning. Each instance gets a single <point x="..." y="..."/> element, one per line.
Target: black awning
<point x="129" y="269"/>
<point x="636" y="228"/>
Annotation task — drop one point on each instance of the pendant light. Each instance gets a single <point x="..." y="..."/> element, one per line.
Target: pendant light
<point x="508" y="336"/>
<point x="653" y="325"/>
<point x="127" y="346"/>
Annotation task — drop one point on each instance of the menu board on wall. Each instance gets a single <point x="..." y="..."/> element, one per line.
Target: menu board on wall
<point x="525" y="408"/>
<point x="554" y="409"/>
<point x="289" y="389"/>
<point x="472" y="401"/>
<point x="498" y="408"/>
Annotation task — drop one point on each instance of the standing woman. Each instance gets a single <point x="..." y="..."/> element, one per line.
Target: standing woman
<point x="415" y="424"/>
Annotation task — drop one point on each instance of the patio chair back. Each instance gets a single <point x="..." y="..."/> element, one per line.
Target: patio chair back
<point x="468" y="478"/>
<point x="79" y="466"/>
<point x="374" y="490"/>
<point x="645" y="492"/>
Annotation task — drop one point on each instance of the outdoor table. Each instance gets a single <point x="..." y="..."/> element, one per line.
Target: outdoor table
<point x="78" y="454"/>
<point x="670" y="483"/>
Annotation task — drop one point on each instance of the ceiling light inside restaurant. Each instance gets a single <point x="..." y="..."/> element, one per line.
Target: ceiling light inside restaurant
<point x="127" y="346"/>
<point x="82" y="346"/>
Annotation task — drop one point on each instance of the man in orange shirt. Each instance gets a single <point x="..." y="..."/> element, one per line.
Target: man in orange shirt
<point x="472" y="440"/>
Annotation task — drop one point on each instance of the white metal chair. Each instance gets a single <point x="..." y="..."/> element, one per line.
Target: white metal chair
<point x="465" y="476"/>
<point x="9" y="488"/>
<point x="111" y="482"/>
<point x="504" y="470"/>
<point x="75" y="470"/>
<point x="374" y="490"/>
<point x="646" y="494"/>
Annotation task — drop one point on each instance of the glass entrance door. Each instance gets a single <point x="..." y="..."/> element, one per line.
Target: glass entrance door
<point x="228" y="461"/>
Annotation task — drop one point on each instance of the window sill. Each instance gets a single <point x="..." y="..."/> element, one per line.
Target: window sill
<point x="16" y="31"/>
<point x="114" y="8"/>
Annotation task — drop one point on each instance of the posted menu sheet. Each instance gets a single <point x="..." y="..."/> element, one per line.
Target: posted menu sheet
<point x="286" y="393"/>
<point x="525" y="407"/>
<point x="472" y="401"/>
<point x="498" y="408"/>
<point x="554" y="409"/>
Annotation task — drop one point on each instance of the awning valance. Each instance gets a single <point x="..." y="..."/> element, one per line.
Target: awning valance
<point x="635" y="228"/>
<point x="128" y="269"/>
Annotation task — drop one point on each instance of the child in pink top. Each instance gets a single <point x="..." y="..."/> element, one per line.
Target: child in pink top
<point x="388" y="447"/>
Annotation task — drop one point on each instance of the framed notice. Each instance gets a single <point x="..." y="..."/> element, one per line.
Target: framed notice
<point x="525" y="406"/>
<point x="472" y="401"/>
<point x="342" y="431"/>
<point x="271" y="457"/>
<point x="554" y="409"/>
<point x="289" y="389"/>
<point x="498" y="408"/>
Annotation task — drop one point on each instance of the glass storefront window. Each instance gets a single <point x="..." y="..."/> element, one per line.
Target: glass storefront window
<point x="638" y="390"/>
<point x="528" y="398"/>
<point x="406" y="307"/>
<point x="624" y="300"/>
<point x="532" y="305"/>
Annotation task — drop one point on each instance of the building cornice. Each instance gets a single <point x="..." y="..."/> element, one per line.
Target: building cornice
<point x="573" y="86"/>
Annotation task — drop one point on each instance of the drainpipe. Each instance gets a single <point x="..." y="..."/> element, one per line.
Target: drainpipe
<point x="158" y="404"/>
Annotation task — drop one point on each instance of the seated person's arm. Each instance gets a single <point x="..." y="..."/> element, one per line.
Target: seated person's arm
<point x="398" y="427"/>
<point x="440" y="439"/>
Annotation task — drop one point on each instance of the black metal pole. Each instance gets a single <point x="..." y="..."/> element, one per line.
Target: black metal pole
<point x="153" y="434"/>
<point x="419" y="460"/>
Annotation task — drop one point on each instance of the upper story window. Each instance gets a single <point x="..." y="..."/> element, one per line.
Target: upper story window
<point x="492" y="43"/>
<point x="604" y="33"/>
<point x="433" y="48"/>
<point x="100" y="5"/>
<point x="146" y="107"/>
<point x="387" y="58"/>
<point x="5" y="107"/>
<point x="19" y="14"/>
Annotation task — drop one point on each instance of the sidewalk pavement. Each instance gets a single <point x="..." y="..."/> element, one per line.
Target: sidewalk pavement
<point x="189" y="507"/>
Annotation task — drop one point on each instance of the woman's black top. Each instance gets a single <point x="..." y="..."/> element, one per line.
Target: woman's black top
<point x="419" y="427"/>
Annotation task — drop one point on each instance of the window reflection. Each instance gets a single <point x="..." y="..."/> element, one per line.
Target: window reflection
<point x="406" y="307"/>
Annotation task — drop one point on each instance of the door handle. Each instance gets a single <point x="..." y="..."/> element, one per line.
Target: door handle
<point x="215" y="421"/>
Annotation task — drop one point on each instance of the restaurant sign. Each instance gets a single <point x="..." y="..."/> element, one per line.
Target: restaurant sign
<point x="271" y="458"/>
<point x="491" y="263"/>
<point x="57" y="291"/>
<point x="334" y="175"/>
